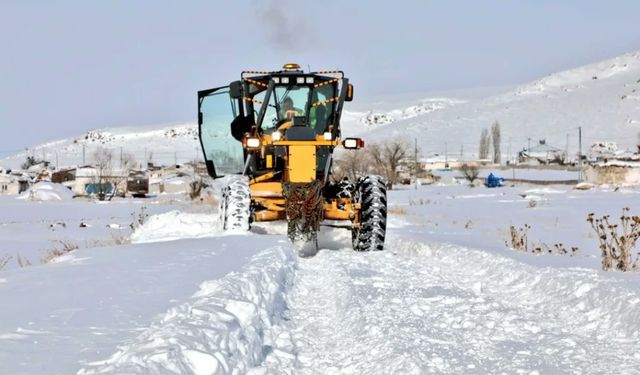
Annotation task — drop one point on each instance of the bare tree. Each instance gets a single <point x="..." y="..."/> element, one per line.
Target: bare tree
<point x="485" y="141"/>
<point x="495" y="133"/>
<point x="470" y="172"/>
<point x="128" y="162"/>
<point x="107" y="179"/>
<point x="351" y="164"/>
<point x="386" y="158"/>
<point x="31" y="161"/>
<point x="103" y="164"/>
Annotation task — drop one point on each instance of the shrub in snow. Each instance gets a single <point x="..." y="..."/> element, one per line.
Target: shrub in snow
<point x="470" y="172"/>
<point x="518" y="238"/>
<point x="557" y="249"/>
<point x="520" y="241"/>
<point x="615" y="247"/>
<point x="139" y="218"/>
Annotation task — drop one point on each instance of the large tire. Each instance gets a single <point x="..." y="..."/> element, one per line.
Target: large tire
<point x="345" y="188"/>
<point x="235" y="205"/>
<point x="371" y="193"/>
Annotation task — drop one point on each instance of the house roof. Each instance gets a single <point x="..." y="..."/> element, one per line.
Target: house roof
<point x="542" y="147"/>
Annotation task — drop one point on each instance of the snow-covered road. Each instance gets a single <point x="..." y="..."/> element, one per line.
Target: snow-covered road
<point x="421" y="308"/>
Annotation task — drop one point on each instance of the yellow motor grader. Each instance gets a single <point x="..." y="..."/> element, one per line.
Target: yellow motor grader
<point x="270" y="137"/>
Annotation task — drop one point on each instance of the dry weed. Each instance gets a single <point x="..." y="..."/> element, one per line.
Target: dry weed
<point x="61" y="247"/>
<point x="139" y="218"/>
<point x="396" y="211"/>
<point x="616" y="247"/>
<point x="119" y="239"/>
<point x="557" y="249"/>
<point x="420" y="202"/>
<point x="4" y="260"/>
<point x="23" y="261"/>
<point x="518" y="238"/>
<point x="520" y="241"/>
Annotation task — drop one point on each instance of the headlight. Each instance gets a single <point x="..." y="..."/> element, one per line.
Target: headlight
<point x="309" y="79"/>
<point x="300" y="80"/>
<point x="252" y="142"/>
<point x="276" y="79"/>
<point x="327" y="136"/>
<point x="276" y="135"/>
<point x="353" y="143"/>
<point x="285" y="80"/>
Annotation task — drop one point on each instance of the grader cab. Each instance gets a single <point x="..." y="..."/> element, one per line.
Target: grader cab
<point x="270" y="137"/>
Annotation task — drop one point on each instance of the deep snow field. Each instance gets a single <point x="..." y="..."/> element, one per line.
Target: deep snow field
<point x="446" y="296"/>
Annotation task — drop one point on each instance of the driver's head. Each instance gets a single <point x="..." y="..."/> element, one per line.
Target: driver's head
<point x="287" y="104"/>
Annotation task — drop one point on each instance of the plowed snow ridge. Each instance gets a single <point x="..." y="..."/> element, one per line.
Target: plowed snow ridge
<point x="446" y="309"/>
<point x="219" y="331"/>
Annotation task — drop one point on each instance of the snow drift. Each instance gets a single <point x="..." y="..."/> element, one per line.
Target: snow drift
<point x="47" y="191"/>
<point x="221" y="330"/>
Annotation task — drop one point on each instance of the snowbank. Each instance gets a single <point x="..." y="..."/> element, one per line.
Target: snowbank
<point x="221" y="330"/>
<point x="47" y="191"/>
<point x="175" y="225"/>
<point x="422" y="307"/>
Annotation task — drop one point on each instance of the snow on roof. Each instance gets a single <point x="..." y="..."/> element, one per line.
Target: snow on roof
<point x="542" y="146"/>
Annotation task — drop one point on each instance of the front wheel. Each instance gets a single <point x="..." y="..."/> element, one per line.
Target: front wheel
<point x="371" y="193"/>
<point x="235" y="204"/>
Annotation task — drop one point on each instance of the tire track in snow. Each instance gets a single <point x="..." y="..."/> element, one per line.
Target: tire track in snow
<point x="444" y="309"/>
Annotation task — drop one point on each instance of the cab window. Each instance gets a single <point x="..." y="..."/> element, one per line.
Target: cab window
<point x="292" y="101"/>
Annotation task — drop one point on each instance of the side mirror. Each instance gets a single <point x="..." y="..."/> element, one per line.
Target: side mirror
<point x="349" y="96"/>
<point x="235" y="90"/>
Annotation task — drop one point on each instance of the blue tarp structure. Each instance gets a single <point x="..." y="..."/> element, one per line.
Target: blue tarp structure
<point x="493" y="181"/>
<point x="95" y="188"/>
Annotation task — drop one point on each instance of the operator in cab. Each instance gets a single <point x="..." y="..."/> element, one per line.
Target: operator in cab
<point x="288" y="111"/>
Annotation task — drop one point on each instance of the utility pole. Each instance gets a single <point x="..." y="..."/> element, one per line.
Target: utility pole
<point x="415" y="160"/>
<point x="579" y="153"/>
<point x="446" y="160"/>
<point x="566" y="149"/>
<point x="513" y="164"/>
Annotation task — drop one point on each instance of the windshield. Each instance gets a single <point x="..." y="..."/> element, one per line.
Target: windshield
<point x="292" y="101"/>
<point x="287" y="102"/>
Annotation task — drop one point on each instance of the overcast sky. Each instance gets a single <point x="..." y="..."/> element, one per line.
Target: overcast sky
<point x="70" y="66"/>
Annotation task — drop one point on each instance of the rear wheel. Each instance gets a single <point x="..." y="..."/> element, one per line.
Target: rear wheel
<point x="371" y="193"/>
<point x="235" y="205"/>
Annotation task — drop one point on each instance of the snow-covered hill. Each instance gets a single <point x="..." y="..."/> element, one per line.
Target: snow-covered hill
<point x="603" y="98"/>
<point x="162" y="144"/>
